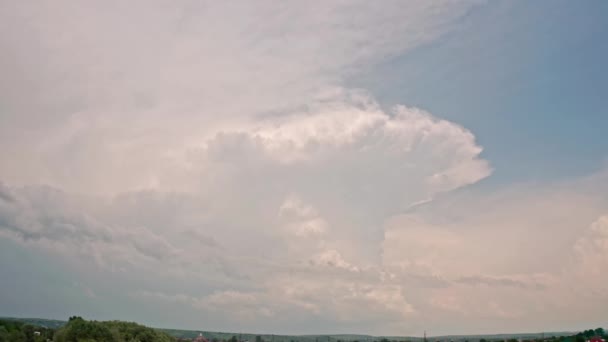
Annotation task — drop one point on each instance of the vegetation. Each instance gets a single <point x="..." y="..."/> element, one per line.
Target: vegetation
<point x="80" y="330"/>
<point x="14" y="331"/>
<point x="585" y="335"/>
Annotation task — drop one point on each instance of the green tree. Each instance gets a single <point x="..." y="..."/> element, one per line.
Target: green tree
<point x="16" y="336"/>
<point x="28" y="331"/>
<point x="3" y="334"/>
<point x="80" y="330"/>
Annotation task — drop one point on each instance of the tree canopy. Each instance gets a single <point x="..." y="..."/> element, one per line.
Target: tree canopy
<point x="80" y="330"/>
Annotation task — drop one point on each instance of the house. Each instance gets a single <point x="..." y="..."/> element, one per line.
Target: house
<point x="200" y="338"/>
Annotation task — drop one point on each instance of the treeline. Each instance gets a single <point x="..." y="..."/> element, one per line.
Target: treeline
<point x="14" y="331"/>
<point x="80" y="330"/>
<point x="587" y="334"/>
<point x="582" y="336"/>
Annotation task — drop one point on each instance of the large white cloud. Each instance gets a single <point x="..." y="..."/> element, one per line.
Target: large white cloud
<point x="290" y="207"/>
<point x="291" y="218"/>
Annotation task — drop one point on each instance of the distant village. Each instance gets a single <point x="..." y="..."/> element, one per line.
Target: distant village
<point x="586" y="336"/>
<point x="199" y="338"/>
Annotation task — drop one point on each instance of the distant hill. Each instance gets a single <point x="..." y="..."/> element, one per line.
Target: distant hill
<point x="360" y="338"/>
<point x="39" y="322"/>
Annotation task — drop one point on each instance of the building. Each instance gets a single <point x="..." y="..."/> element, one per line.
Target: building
<point x="200" y="338"/>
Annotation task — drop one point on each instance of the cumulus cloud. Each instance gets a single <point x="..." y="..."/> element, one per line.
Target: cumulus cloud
<point x="284" y="203"/>
<point x="592" y="247"/>
<point x="292" y="248"/>
<point x="301" y="219"/>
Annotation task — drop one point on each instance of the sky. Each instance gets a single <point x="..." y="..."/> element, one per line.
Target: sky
<point x="312" y="167"/>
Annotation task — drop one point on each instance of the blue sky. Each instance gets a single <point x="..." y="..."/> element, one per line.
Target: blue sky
<point x="323" y="167"/>
<point x="528" y="77"/>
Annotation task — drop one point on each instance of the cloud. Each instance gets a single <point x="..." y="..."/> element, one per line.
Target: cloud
<point x="323" y="211"/>
<point x="275" y="208"/>
<point x="310" y="172"/>
<point x="64" y="223"/>
<point x="509" y="256"/>
<point x="108" y="98"/>
<point x="294" y="250"/>
<point x="591" y="258"/>
<point x="301" y="219"/>
<point x="593" y="245"/>
<point x="45" y="213"/>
